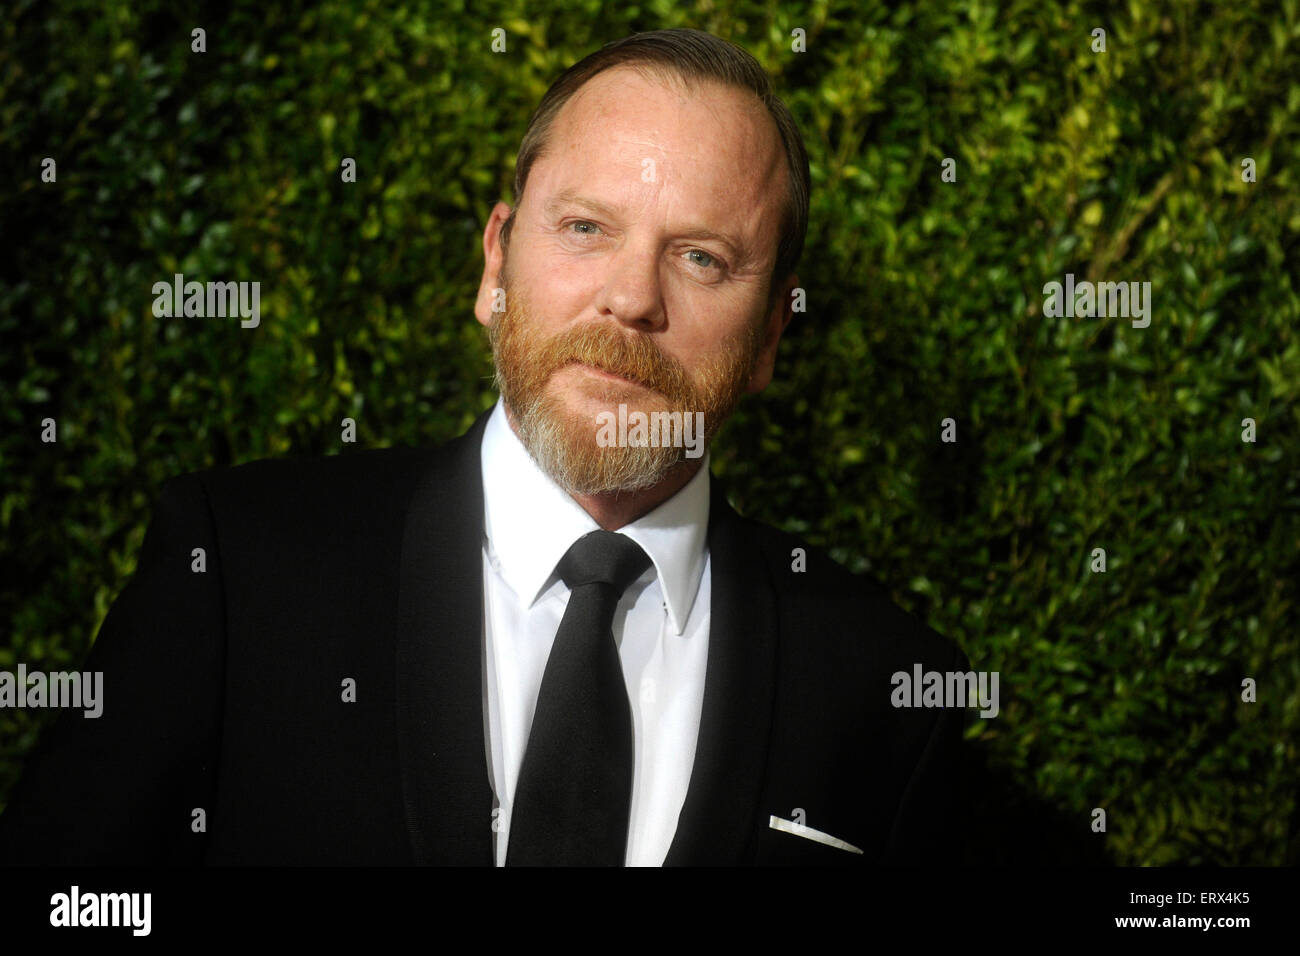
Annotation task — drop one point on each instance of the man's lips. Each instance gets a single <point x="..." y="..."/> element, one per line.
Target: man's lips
<point x="605" y="374"/>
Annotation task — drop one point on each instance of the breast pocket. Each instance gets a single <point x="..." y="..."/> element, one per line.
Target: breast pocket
<point x="786" y="842"/>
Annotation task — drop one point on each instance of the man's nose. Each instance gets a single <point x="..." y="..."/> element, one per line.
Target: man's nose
<point x="632" y="292"/>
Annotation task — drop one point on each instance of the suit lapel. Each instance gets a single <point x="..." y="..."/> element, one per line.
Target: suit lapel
<point x="721" y="804"/>
<point x="445" y="786"/>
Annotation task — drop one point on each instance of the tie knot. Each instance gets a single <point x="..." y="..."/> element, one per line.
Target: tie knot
<point x="604" y="557"/>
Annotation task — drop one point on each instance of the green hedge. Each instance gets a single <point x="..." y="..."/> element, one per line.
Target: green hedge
<point x="1120" y="690"/>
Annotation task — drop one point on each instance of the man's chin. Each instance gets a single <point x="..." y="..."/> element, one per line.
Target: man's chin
<point x="562" y="437"/>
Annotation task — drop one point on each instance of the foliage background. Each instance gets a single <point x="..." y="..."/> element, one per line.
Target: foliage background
<point x="1119" y="690"/>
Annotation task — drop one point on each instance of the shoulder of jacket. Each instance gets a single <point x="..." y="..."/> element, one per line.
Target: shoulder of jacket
<point x="275" y="488"/>
<point x="840" y="605"/>
<point x="368" y="465"/>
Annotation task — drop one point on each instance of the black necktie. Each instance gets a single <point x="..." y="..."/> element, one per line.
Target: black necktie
<point x="574" y="794"/>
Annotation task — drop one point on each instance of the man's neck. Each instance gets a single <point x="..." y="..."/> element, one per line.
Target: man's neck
<point x="616" y="509"/>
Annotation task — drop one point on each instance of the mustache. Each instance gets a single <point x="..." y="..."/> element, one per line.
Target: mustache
<point x="634" y="357"/>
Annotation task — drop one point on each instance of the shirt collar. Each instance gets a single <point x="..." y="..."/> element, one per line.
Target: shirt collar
<point x="530" y="522"/>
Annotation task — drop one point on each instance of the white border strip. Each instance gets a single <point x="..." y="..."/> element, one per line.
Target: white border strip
<point x="808" y="833"/>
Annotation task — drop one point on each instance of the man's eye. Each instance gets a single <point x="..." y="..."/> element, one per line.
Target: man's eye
<point x="712" y="261"/>
<point x="583" y="222"/>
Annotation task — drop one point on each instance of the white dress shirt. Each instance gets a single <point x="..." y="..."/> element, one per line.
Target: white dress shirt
<point x="661" y="627"/>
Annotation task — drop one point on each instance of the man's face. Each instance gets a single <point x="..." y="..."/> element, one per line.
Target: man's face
<point x="637" y="273"/>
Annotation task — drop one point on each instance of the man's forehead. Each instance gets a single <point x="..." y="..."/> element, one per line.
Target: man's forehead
<point x="710" y="155"/>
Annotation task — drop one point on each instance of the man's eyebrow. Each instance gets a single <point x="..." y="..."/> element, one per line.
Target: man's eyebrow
<point x="568" y="197"/>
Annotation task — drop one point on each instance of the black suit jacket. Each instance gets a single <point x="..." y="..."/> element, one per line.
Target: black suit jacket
<point x="223" y="689"/>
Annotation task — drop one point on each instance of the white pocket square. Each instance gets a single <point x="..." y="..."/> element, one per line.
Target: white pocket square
<point x="808" y="833"/>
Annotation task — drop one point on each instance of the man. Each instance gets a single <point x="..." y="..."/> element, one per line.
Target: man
<point x="551" y="641"/>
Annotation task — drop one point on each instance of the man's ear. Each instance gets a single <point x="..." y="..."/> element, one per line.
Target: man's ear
<point x="493" y="259"/>
<point x="780" y="311"/>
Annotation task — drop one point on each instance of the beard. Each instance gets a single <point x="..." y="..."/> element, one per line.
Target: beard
<point x="563" y="441"/>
